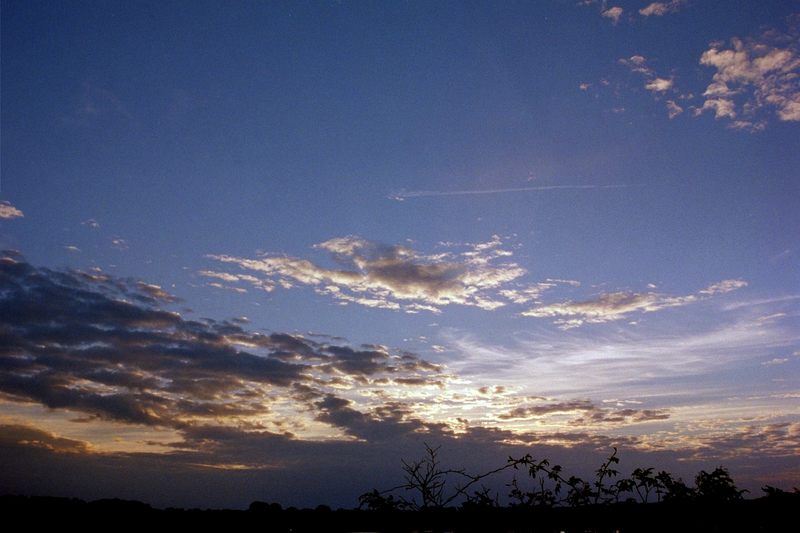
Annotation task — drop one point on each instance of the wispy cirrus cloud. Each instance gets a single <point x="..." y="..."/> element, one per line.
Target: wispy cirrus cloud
<point x="8" y="211"/>
<point x="644" y="363"/>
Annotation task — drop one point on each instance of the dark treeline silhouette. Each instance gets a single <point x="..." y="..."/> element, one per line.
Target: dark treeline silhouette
<point x="541" y="497"/>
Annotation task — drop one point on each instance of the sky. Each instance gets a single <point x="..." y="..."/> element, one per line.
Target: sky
<point x="266" y="250"/>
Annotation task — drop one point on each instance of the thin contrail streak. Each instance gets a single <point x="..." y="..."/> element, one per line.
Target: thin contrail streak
<point x="404" y="195"/>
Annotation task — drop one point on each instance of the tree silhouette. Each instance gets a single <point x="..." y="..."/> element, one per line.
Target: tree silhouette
<point x="717" y="486"/>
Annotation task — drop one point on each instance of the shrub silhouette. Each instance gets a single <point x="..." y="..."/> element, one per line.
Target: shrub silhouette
<point x="431" y="486"/>
<point x="428" y="485"/>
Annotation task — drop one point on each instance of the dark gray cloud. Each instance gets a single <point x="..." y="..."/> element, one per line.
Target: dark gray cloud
<point x="105" y="346"/>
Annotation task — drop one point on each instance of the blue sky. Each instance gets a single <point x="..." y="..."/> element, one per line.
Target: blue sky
<point x="581" y="216"/>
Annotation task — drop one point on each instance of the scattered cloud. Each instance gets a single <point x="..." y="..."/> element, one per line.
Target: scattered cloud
<point x="71" y="248"/>
<point x="8" y="211"/>
<point x="393" y="277"/>
<point x="658" y="85"/>
<point x="659" y="9"/>
<point x="91" y="223"/>
<point x="119" y="244"/>
<point x="753" y="77"/>
<point x="613" y="13"/>
<point x="673" y="109"/>
<point x="618" y="305"/>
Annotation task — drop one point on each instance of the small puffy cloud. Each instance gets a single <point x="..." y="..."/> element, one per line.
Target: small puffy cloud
<point x="119" y="244"/>
<point x="613" y="13"/>
<point x="584" y="86"/>
<point x="673" y="109"/>
<point x="395" y="277"/>
<point x="659" y="9"/>
<point x="8" y="211"/>
<point x="658" y="85"/>
<point x="753" y="77"/>
<point x="91" y="223"/>
<point x="71" y="248"/>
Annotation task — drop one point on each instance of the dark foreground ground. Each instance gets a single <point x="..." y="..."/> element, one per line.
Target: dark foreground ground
<point x="773" y="514"/>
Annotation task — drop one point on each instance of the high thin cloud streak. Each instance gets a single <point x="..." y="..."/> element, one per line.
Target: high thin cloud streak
<point x="405" y="195"/>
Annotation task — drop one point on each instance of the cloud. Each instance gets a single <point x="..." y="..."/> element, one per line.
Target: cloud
<point x="103" y="346"/>
<point x="673" y="109"/>
<point x="658" y="85"/>
<point x="8" y="211"/>
<point x="91" y="223"/>
<point x="23" y="435"/>
<point x="753" y="78"/>
<point x="680" y="365"/>
<point x="613" y="13"/>
<point x="71" y="248"/>
<point x="724" y="286"/>
<point x="659" y="9"/>
<point x="617" y="305"/>
<point x="540" y="410"/>
<point x="405" y="195"/>
<point x="393" y="277"/>
<point x="119" y="244"/>
<point x="273" y="406"/>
